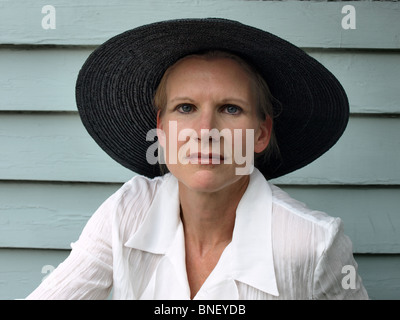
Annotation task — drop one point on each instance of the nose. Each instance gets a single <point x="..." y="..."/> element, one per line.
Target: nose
<point x="206" y="127"/>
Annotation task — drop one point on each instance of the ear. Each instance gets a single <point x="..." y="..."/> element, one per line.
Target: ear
<point x="263" y="136"/>
<point x="160" y="130"/>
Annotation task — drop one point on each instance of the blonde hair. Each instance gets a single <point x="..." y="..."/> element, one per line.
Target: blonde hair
<point x="265" y="101"/>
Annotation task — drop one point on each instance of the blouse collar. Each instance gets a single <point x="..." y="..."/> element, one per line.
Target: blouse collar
<point x="251" y="246"/>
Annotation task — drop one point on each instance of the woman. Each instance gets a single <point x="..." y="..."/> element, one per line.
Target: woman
<point x="213" y="227"/>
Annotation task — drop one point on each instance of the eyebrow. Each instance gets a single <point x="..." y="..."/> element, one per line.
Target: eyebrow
<point x="223" y="101"/>
<point x="236" y="100"/>
<point x="181" y="99"/>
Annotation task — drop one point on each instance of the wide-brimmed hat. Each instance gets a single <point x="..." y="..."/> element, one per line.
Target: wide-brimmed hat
<point x="116" y="85"/>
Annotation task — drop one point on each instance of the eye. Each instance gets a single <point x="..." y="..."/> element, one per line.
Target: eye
<point x="185" y="108"/>
<point x="231" y="109"/>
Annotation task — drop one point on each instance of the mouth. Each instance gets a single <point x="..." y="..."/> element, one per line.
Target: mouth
<point x="205" y="158"/>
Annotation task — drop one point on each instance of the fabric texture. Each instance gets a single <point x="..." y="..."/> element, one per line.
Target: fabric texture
<point x="134" y="244"/>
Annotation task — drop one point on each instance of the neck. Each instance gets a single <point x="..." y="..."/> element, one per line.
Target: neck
<point x="209" y="217"/>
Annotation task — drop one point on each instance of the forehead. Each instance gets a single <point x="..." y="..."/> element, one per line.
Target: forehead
<point x="192" y="64"/>
<point x="218" y="72"/>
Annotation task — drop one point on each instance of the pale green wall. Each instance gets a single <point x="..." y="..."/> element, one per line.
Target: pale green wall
<point x="53" y="176"/>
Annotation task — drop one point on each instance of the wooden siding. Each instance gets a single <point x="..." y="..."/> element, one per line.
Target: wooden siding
<point x="305" y="23"/>
<point x="53" y="176"/>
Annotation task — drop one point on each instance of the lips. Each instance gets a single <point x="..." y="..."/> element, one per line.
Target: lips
<point x="205" y="158"/>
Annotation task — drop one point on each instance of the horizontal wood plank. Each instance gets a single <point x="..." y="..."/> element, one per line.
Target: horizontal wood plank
<point x="47" y="215"/>
<point x="53" y="147"/>
<point x="40" y="79"/>
<point x="305" y="23"/>
<point x="52" y="215"/>
<point x="21" y="271"/>
<point x="370" y="215"/>
<point x="380" y="275"/>
<point x="371" y="79"/>
<point x="43" y="79"/>
<point x="56" y="147"/>
<point x="366" y="154"/>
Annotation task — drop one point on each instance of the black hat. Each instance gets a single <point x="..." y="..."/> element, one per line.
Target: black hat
<point x="116" y="86"/>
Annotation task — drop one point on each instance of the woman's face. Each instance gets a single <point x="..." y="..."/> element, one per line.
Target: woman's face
<point x="210" y="104"/>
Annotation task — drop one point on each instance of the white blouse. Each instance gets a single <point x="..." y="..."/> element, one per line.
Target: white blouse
<point x="134" y="244"/>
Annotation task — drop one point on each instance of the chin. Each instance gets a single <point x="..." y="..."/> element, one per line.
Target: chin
<point x="206" y="179"/>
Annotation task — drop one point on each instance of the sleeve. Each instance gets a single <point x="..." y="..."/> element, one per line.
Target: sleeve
<point x="87" y="271"/>
<point x="335" y="275"/>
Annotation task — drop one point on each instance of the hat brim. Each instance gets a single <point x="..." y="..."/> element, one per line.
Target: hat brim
<point x="116" y="86"/>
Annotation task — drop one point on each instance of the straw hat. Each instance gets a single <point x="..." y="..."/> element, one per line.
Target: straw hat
<point x="116" y="85"/>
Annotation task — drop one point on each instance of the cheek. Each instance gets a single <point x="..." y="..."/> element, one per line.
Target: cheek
<point x="161" y="137"/>
<point x="245" y="135"/>
<point x="176" y="135"/>
<point x="243" y="142"/>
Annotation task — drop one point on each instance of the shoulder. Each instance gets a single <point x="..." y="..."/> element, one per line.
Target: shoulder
<point x="137" y="194"/>
<point x="310" y="246"/>
<point x="127" y="208"/>
<point x="297" y="228"/>
<point x="298" y="211"/>
<point x="140" y="188"/>
<point x="133" y="196"/>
